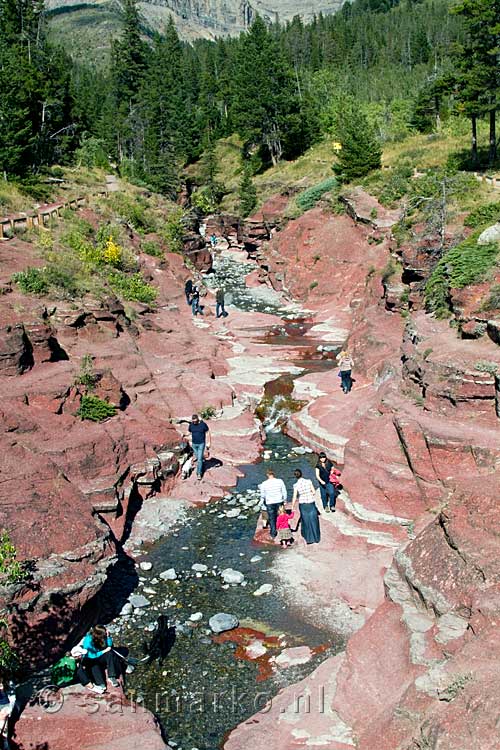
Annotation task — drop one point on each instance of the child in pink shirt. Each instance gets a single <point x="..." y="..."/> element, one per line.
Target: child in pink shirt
<point x="285" y="537"/>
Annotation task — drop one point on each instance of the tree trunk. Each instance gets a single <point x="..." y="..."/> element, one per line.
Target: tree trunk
<point x="493" y="137"/>
<point x="475" y="157"/>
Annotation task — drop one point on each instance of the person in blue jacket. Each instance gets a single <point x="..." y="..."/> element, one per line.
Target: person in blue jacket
<point x="98" y="658"/>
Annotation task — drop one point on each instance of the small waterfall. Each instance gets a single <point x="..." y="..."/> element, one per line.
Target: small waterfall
<point x="277" y="413"/>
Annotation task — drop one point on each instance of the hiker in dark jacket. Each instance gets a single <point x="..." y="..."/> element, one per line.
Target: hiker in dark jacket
<point x="188" y="290"/>
<point x="220" y="310"/>
<point x="195" y="302"/>
<point x="200" y="440"/>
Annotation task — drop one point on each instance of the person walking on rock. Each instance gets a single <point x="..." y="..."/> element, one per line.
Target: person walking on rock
<point x="285" y="537"/>
<point x="345" y="366"/>
<point x="305" y="494"/>
<point x="188" y="290"/>
<point x="273" y="493"/>
<point x="195" y="301"/>
<point x="200" y="440"/>
<point x="326" y="487"/>
<point x="220" y="310"/>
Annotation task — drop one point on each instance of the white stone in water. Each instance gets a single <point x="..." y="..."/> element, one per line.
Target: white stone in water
<point x="266" y="588"/>
<point x="126" y="609"/>
<point x="196" y="616"/>
<point x="255" y="558"/>
<point x="308" y="450"/>
<point x="232" y="576"/>
<point x="199" y="567"/>
<point x="145" y="565"/>
<point x="233" y="513"/>
<point x="222" y="622"/>
<point x="168" y="575"/>
<point x="300" y="449"/>
<point x="138" y="601"/>
<point x="154" y="581"/>
<point x="148" y="590"/>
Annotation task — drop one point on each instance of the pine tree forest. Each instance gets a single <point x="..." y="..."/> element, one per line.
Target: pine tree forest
<point x="385" y="67"/>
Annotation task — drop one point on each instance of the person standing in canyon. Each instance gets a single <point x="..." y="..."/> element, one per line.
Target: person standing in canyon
<point x="273" y="493"/>
<point x="305" y="494"/>
<point x="326" y="488"/>
<point x="346" y="364"/>
<point x="195" y="301"/>
<point x="200" y="440"/>
<point x="188" y="290"/>
<point x="220" y="310"/>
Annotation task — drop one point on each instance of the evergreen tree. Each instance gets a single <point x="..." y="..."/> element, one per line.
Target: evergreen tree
<point x="478" y="66"/>
<point x="247" y="193"/>
<point x="265" y="107"/>
<point x="163" y="116"/>
<point x="128" y="67"/>
<point x="35" y="106"/>
<point x="360" y="152"/>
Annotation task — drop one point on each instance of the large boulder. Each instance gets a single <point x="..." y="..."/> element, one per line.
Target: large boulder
<point x="491" y="234"/>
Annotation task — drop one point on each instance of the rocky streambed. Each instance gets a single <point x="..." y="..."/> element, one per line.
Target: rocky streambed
<point x="209" y="563"/>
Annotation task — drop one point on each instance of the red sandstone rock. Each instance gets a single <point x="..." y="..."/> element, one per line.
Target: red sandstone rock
<point x="89" y="722"/>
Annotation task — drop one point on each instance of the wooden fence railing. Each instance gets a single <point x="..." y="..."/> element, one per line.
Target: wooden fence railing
<point x="40" y="217"/>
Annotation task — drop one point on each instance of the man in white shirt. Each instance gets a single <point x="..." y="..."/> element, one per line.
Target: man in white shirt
<point x="273" y="493"/>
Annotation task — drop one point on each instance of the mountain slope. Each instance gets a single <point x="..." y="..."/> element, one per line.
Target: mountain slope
<point x="193" y="18"/>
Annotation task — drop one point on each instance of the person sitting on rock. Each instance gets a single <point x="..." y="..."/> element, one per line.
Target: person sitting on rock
<point x="285" y="537"/>
<point x="98" y="658"/>
<point x="345" y="366"/>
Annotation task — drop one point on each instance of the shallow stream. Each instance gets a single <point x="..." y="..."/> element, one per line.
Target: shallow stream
<point x="208" y="684"/>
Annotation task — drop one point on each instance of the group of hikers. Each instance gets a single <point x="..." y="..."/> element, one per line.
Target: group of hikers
<point x="278" y="514"/>
<point x="193" y="293"/>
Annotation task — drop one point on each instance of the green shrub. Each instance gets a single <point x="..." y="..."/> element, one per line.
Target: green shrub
<point x="313" y="285"/>
<point x="483" y="215"/>
<point x="493" y="301"/>
<point x="465" y="264"/>
<point x="8" y="657"/>
<point x="133" y="211"/>
<point x="152" y="248"/>
<point x="208" y="412"/>
<point x="311" y="196"/>
<point x="485" y="366"/>
<point x="11" y="569"/>
<point x="86" y="376"/>
<point x="173" y="231"/>
<point x="95" y="409"/>
<point x="389" y="270"/>
<point x="32" y="281"/>
<point x="92" y="153"/>
<point x="132" y="287"/>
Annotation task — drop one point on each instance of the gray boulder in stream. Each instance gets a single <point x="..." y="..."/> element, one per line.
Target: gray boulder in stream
<point x="222" y="622"/>
<point x="232" y="576"/>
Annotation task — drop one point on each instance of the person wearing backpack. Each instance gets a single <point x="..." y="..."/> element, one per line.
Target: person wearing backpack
<point x="98" y="659"/>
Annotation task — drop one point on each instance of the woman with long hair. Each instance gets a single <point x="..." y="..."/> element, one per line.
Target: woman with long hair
<point x="98" y="659"/>
<point x="305" y="494"/>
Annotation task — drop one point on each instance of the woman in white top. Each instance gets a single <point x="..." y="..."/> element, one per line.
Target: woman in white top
<point x="345" y="366"/>
<point x="305" y="494"/>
